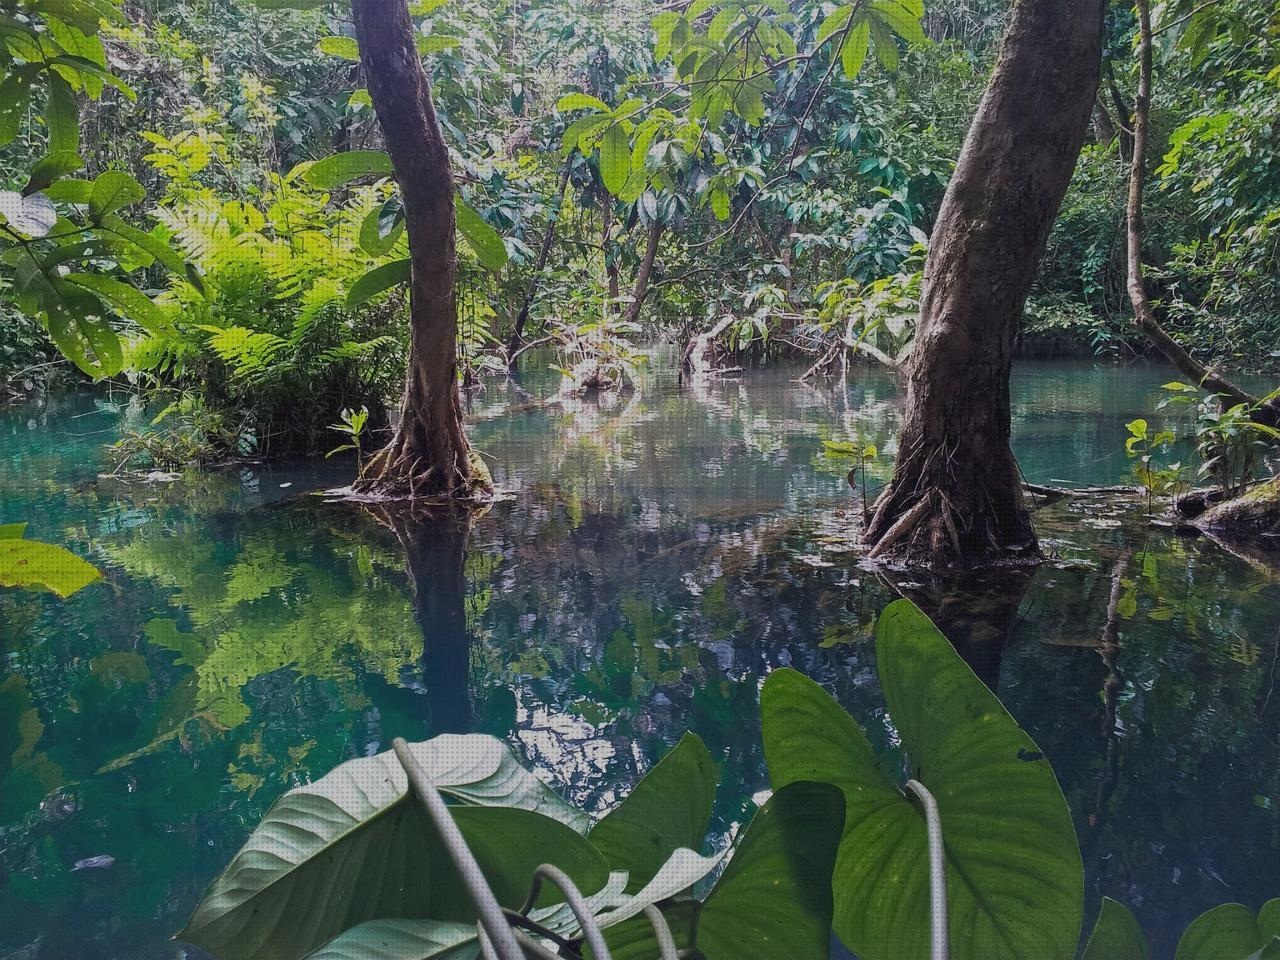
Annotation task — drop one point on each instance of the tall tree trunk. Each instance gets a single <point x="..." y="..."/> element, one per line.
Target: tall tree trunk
<point x="1188" y="366"/>
<point x="429" y="455"/>
<point x="544" y="251"/>
<point x="606" y="244"/>
<point x="956" y="496"/>
<point x="643" y="274"/>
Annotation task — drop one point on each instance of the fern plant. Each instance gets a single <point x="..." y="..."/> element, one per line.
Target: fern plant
<point x="263" y="328"/>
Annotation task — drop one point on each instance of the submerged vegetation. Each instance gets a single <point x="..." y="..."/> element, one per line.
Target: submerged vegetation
<point x="413" y="236"/>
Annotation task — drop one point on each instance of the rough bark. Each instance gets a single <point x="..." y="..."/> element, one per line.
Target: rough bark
<point x="643" y="274"/>
<point x="1199" y="374"/>
<point x="956" y="497"/>
<point x="428" y="455"/>
<point x="1253" y="514"/>
<point x="606" y="244"/>
<point x="544" y="251"/>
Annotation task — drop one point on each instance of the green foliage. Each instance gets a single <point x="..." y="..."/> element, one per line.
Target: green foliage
<point x="1232" y="931"/>
<point x="1014" y="879"/>
<point x="1116" y="935"/>
<point x="1230" y="443"/>
<point x="318" y="863"/>
<point x="32" y="564"/>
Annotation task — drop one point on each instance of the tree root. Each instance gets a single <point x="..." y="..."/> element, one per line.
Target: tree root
<point x="901" y="528"/>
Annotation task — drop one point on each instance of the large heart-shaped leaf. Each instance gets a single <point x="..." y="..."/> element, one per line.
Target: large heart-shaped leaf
<point x="401" y="939"/>
<point x="355" y="846"/>
<point x="773" y="899"/>
<point x="1116" y="935"/>
<point x="1014" y="876"/>
<point x="1231" y="932"/>
<point x="668" y="809"/>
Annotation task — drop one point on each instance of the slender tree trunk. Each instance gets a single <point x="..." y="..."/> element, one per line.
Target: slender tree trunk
<point x="956" y="496"/>
<point x="544" y="251"/>
<point x="429" y="455"/>
<point x="644" y="273"/>
<point x="1187" y="365"/>
<point x="610" y="263"/>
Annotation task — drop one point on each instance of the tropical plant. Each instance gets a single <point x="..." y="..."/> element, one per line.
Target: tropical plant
<point x="957" y="843"/>
<point x="32" y="564"/>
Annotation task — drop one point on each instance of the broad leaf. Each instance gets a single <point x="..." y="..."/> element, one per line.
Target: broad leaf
<point x="854" y="52"/>
<point x="15" y="94"/>
<point x="1014" y="876"/>
<point x="30" y="563"/>
<point x="129" y="302"/>
<point x="150" y="245"/>
<point x="1230" y="932"/>
<point x="341" y="168"/>
<point x="356" y="846"/>
<point x="77" y="325"/>
<point x="669" y="808"/>
<point x="773" y="899"/>
<point x="62" y="117"/>
<point x="1116" y="935"/>
<point x="51" y="168"/>
<point x="401" y="939"/>
<point x="615" y="158"/>
<point x="483" y="239"/>
<point x="113" y="190"/>
<point x="382" y="227"/>
<point x="345" y="47"/>
<point x="581" y="101"/>
<point x="378" y="280"/>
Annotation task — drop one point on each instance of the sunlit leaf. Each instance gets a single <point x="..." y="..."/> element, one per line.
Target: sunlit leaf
<point x="482" y="238"/>
<point x="341" y="168"/>
<point x="669" y="808"/>
<point x="1014" y="879"/>
<point x="30" y="563"/>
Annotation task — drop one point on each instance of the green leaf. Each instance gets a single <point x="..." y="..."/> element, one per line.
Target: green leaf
<point x="345" y="47"/>
<point x="1230" y="932"/>
<point x="150" y="244"/>
<point x="615" y="158"/>
<point x="30" y="563"/>
<point x="1014" y="879"/>
<point x="77" y="326"/>
<point x="854" y="52"/>
<point x="581" y="101"/>
<point x="898" y="19"/>
<point x="886" y="46"/>
<point x="436" y="43"/>
<point x="356" y="846"/>
<point x="112" y="191"/>
<point x="399" y="939"/>
<point x="377" y="280"/>
<point x="289" y="4"/>
<point x="33" y="215"/>
<point x="48" y="170"/>
<point x="62" y="117"/>
<point x="720" y="203"/>
<point x="1116" y="935"/>
<point x="82" y="67"/>
<point x="577" y="133"/>
<point x="774" y="897"/>
<point x="15" y="93"/>
<point x="341" y="168"/>
<point x="834" y="23"/>
<point x="669" y="808"/>
<point x="128" y="301"/>
<point x="483" y="239"/>
<point x="381" y="228"/>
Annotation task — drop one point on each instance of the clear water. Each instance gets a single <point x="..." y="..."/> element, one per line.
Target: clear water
<point x="651" y="562"/>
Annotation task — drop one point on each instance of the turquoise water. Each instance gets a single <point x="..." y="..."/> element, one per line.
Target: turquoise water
<point x="649" y="563"/>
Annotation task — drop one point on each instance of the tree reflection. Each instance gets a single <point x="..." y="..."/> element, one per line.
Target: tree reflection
<point x="435" y="548"/>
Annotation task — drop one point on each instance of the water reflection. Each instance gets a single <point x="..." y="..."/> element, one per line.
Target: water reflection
<point x="651" y="564"/>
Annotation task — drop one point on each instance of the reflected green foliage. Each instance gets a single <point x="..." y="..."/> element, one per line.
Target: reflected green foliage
<point x="31" y="564"/>
<point x="654" y="563"/>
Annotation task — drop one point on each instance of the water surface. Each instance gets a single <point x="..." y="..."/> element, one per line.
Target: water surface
<point x="652" y="561"/>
